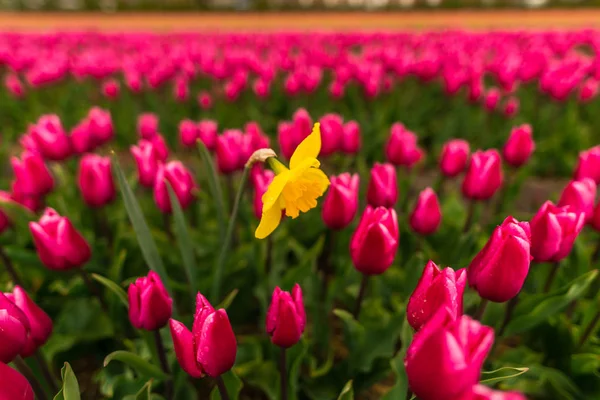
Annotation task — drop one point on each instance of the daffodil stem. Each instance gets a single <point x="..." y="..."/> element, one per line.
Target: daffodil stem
<point x="588" y="331"/>
<point x="216" y="288"/>
<point x="10" y="268"/>
<point x="551" y="277"/>
<point x="48" y="375"/>
<point x="164" y="363"/>
<point x="22" y="366"/>
<point x="283" y="373"/>
<point x="361" y="295"/>
<point x="222" y="388"/>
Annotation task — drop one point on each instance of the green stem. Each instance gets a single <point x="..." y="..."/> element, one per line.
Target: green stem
<point x="164" y="363"/>
<point x="551" y="277"/>
<point x="480" y="310"/>
<point x="216" y="288"/>
<point x="283" y="374"/>
<point x="48" y="375"/>
<point x="470" y="216"/>
<point x="10" y="268"/>
<point x="30" y="376"/>
<point x="361" y="295"/>
<point x="222" y="388"/>
<point x="590" y="328"/>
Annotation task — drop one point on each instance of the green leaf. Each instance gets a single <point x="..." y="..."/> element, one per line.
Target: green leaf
<point x="532" y="313"/>
<point x="233" y="384"/>
<point x="354" y="334"/>
<point x="228" y="299"/>
<point x="215" y="187"/>
<point x="400" y="388"/>
<point x="113" y="287"/>
<point x="185" y="243"/>
<point x="347" y="392"/>
<point x="136" y="362"/>
<point x="142" y="231"/>
<point x="295" y="358"/>
<point x="70" y="387"/>
<point x="501" y="374"/>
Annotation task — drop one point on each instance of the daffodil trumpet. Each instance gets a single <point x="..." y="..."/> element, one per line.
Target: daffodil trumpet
<point x="294" y="189"/>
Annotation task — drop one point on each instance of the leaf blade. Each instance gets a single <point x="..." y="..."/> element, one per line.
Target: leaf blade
<point x="136" y="362"/>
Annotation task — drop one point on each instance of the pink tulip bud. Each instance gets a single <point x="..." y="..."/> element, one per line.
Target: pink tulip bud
<point x="150" y="306"/>
<point x="261" y="180"/>
<point x="436" y="288"/>
<point x="181" y="181"/>
<point x="491" y="99"/>
<point x="374" y="242"/>
<point x="147" y="125"/>
<point x="50" y="138"/>
<point x="13" y="385"/>
<point x="258" y="139"/>
<point x="288" y="138"/>
<point x="454" y="157"/>
<point x="452" y="351"/>
<point x="205" y="100"/>
<point x="111" y="89"/>
<point x="59" y="245"/>
<point x="511" y="107"/>
<point x="160" y="146"/>
<point x="482" y="392"/>
<point x="32" y="203"/>
<point x="40" y="324"/>
<point x="82" y="139"/>
<point x="553" y="231"/>
<point x="499" y="270"/>
<point x="188" y="133"/>
<point x="337" y="89"/>
<point x="580" y="195"/>
<point x="588" y="90"/>
<point x="484" y="175"/>
<point x="210" y="348"/>
<point x="286" y="318"/>
<point x="95" y="180"/>
<point x="32" y="177"/>
<point x="100" y="125"/>
<point x="14" y="330"/>
<point x="341" y="201"/>
<point x="331" y="134"/>
<point x="181" y="90"/>
<point x="588" y="165"/>
<point x="261" y="88"/>
<point x="303" y="123"/>
<point x="383" y="188"/>
<point x="595" y="222"/>
<point x="207" y="131"/>
<point x="147" y="162"/>
<point x="519" y="146"/>
<point x="133" y="80"/>
<point x="427" y="215"/>
<point x="351" y="141"/>
<point x="230" y="151"/>
<point x="402" y="148"/>
<point x="14" y="85"/>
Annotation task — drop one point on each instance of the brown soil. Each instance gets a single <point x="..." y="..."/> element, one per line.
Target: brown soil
<point x="484" y="19"/>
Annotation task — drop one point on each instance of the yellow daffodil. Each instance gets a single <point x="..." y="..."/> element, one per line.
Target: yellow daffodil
<point x="295" y="189"/>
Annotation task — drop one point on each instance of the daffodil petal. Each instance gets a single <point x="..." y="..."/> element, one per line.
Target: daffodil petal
<point x="274" y="191"/>
<point x="309" y="148"/>
<point x="306" y="164"/>
<point x="268" y="223"/>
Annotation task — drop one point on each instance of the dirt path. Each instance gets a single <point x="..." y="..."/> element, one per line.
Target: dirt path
<point x="303" y="21"/>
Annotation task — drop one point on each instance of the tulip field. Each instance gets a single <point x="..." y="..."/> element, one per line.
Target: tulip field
<point x="302" y="216"/>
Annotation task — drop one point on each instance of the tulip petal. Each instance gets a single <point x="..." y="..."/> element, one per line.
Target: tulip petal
<point x="14" y="386"/>
<point x="184" y="348"/>
<point x="217" y="346"/>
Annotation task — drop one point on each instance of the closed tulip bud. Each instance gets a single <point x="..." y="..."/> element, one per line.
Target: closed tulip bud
<point x="454" y="157"/>
<point x="40" y="324"/>
<point x="491" y="98"/>
<point x="188" y="133"/>
<point x="181" y="90"/>
<point x="150" y="306"/>
<point x="580" y="195"/>
<point x="181" y="181"/>
<point x="588" y="90"/>
<point x="82" y="139"/>
<point x="484" y="175"/>
<point x="499" y="270"/>
<point x="210" y="348"/>
<point x="13" y="385"/>
<point x="207" y="132"/>
<point x="341" y="201"/>
<point x="50" y="138"/>
<point x="160" y="146"/>
<point x="595" y="222"/>
<point x="351" y="141"/>
<point x="258" y="139"/>
<point x="436" y="289"/>
<point x="426" y="216"/>
<point x="588" y="165"/>
<point x="337" y="89"/>
<point x="331" y="134"/>
<point x="229" y="151"/>
<point x="147" y="162"/>
<point x="303" y="123"/>
<point x="14" y="330"/>
<point x="261" y="88"/>
<point x="553" y="231"/>
<point x="374" y="242"/>
<point x="519" y="146"/>
<point x="32" y="176"/>
<point x="383" y="189"/>
<point x="511" y="107"/>
<point x="100" y="125"/>
<point x="14" y="85"/>
<point x="32" y="203"/>
<point x="286" y="318"/>
<point x="59" y="245"/>
<point x="95" y="180"/>
<point x="482" y="392"/>
<point x="288" y="138"/>
<point x="147" y="125"/>
<point x="452" y="351"/>
<point x="205" y="100"/>
<point x="261" y="180"/>
<point x="111" y="89"/>
<point x="402" y="148"/>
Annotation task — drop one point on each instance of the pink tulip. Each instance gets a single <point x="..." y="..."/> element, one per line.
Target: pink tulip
<point x="519" y="146"/>
<point x="50" y="138"/>
<point x="454" y="157"/>
<point x="588" y="165"/>
<point x="14" y="85"/>
<point x="580" y="195"/>
<point x="332" y="130"/>
<point x="491" y="99"/>
<point x="482" y="392"/>
<point x="427" y="215"/>
<point x="14" y="330"/>
<point x="207" y="132"/>
<point x="401" y="148"/>
<point x="147" y="162"/>
<point x="484" y="175"/>
<point x="150" y="306"/>
<point x="32" y="177"/>
<point x="181" y="181"/>
<point x="205" y="100"/>
<point x="95" y="180"/>
<point x="511" y="107"/>
<point x="341" y="201"/>
<point x="111" y="89"/>
<point x="383" y="188"/>
<point x="261" y="180"/>
<point x="286" y="318"/>
<point x="147" y="125"/>
<point x="188" y="133"/>
<point x="14" y="386"/>
<point x="351" y="141"/>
